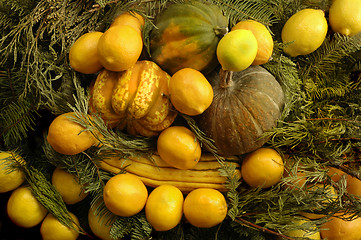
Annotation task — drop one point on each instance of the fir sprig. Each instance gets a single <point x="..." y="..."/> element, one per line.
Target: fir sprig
<point x="16" y="120"/>
<point x="50" y="198"/>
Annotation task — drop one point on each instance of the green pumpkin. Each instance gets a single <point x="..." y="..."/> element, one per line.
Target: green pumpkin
<point x="186" y="35"/>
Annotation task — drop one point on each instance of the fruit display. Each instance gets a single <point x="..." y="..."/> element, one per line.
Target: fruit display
<point x="180" y="119"/>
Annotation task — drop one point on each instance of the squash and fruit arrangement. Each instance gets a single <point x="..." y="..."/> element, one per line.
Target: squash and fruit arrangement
<point x="179" y="125"/>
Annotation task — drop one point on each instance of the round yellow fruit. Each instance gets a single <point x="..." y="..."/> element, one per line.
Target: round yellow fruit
<point x="100" y="225"/>
<point x="205" y="207"/>
<point x="190" y="92"/>
<point x="314" y="233"/>
<point x="83" y="54"/>
<point x="304" y="32"/>
<point x="345" y="16"/>
<point x="52" y="229"/>
<point x="68" y="186"/>
<point x="125" y="195"/>
<point x="264" y="40"/>
<point x="179" y="147"/>
<point x="339" y="229"/>
<point x="164" y="208"/>
<point x="68" y="137"/>
<point x="24" y="209"/>
<point x="262" y="168"/>
<point x="11" y="176"/>
<point x="237" y="50"/>
<point x="119" y="48"/>
<point x="132" y="19"/>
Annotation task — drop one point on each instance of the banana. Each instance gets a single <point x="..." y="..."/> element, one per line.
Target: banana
<point x="155" y="172"/>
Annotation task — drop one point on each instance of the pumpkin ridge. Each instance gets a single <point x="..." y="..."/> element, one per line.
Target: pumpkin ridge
<point x="257" y="96"/>
<point x="254" y="119"/>
<point x="147" y="91"/>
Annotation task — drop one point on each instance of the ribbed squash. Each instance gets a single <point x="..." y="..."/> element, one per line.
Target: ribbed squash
<point x="246" y="104"/>
<point x="153" y="171"/>
<point x="135" y="99"/>
<point x="186" y="35"/>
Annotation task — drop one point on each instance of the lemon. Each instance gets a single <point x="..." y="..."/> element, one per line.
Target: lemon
<point x="10" y="178"/>
<point x="237" y="50"/>
<point x="345" y="16"/>
<point x="304" y="32"/>
<point x="264" y="39"/>
<point x="100" y="225"/>
<point x="24" y="209"/>
<point x="68" y="137"/>
<point x="339" y="229"/>
<point x="132" y="19"/>
<point x="205" y="207"/>
<point x="52" y="229"/>
<point x="179" y="147"/>
<point x="83" y="54"/>
<point x="262" y="168"/>
<point x="119" y="48"/>
<point x="315" y="234"/>
<point x="68" y="186"/>
<point x="190" y="91"/>
<point x="164" y="208"/>
<point x="125" y="195"/>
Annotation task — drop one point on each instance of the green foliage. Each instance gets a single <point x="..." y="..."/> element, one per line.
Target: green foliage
<point x="319" y="127"/>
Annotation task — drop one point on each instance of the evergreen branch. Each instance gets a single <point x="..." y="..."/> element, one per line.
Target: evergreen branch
<point x="238" y="10"/>
<point x="262" y="229"/>
<point x="15" y="121"/>
<point x="329" y="56"/>
<point x="50" y="198"/>
<point x="102" y="4"/>
<point x="137" y="227"/>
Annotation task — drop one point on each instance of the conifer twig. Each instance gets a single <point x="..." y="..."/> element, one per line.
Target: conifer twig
<point x="263" y="229"/>
<point x="97" y="6"/>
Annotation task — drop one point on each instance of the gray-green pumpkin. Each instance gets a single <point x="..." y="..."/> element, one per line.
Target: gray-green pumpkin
<point x="246" y="104"/>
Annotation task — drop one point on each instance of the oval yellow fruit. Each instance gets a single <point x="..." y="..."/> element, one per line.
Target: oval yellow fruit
<point x="345" y="16"/>
<point x="52" y="229"/>
<point x="119" y="48"/>
<point x="264" y="40"/>
<point x="304" y="32"/>
<point x="68" y="186"/>
<point x="24" y="209"/>
<point x="179" y="147"/>
<point x="100" y="225"/>
<point x="337" y="229"/>
<point x="262" y="168"/>
<point x="190" y="92"/>
<point x="237" y="50"/>
<point x="125" y="195"/>
<point x="205" y="207"/>
<point x="164" y="207"/>
<point x="11" y="176"/>
<point x="83" y="54"/>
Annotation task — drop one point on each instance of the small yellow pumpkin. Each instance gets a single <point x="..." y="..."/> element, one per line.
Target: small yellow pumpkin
<point x="134" y="100"/>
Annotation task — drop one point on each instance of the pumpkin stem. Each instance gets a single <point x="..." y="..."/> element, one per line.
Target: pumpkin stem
<point x="225" y="78"/>
<point x="220" y="31"/>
